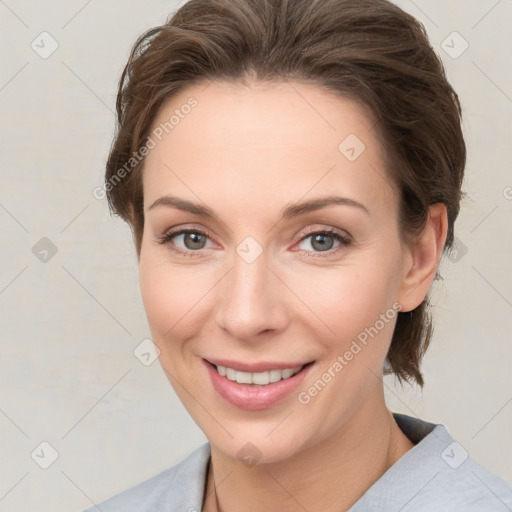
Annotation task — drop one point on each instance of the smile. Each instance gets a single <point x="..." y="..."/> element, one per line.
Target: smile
<point x="259" y="378"/>
<point x="255" y="390"/>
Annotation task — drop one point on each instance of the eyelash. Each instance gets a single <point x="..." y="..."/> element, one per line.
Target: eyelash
<point x="344" y="241"/>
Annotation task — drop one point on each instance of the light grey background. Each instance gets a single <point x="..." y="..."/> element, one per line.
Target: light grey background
<point x="68" y="375"/>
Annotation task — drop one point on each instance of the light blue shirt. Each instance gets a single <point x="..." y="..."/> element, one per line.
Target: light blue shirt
<point x="437" y="475"/>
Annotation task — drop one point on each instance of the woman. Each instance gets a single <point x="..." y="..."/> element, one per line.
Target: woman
<point x="292" y="172"/>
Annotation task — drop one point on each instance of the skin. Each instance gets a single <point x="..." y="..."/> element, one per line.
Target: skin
<point x="246" y="152"/>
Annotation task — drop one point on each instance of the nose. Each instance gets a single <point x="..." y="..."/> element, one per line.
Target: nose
<point x="252" y="300"/>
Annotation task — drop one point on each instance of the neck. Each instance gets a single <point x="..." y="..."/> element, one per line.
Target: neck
<point x="328" y="476"/>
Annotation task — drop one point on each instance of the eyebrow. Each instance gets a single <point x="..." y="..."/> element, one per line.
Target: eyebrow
<point x="290" y="211"/>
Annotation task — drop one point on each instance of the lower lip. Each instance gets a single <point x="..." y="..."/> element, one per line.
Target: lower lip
<point x="254" y="397"/>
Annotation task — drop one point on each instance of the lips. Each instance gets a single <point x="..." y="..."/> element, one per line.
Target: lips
<point x="253" y="396"/>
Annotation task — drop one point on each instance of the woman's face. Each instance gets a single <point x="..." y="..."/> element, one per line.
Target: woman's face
<point x="254" y="285"/>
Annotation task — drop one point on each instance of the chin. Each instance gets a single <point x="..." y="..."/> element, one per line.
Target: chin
<point x="252" y="450"/>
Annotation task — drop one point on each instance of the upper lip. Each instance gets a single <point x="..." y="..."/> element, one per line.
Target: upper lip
<point x="262" y="366"/>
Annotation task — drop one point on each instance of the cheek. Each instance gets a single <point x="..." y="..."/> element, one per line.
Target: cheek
<point x="356" y="304"/>
<point x="173" y="297"/>
<point x="347" y="299"/>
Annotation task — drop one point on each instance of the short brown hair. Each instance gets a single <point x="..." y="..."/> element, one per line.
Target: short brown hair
<point x="369" y="51"/>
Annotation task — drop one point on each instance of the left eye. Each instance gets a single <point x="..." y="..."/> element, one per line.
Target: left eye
<point x="195" y="240"/>
<point x="323" y="241"/>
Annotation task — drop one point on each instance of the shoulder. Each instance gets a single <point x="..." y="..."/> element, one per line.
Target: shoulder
<point x="177" y="488"/>
<point x="468" y="486"/>
<point x="456" y="481"/>
<point x="438" y="474"/>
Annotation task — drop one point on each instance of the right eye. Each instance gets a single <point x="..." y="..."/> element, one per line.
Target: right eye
<point x="193" y="241"/>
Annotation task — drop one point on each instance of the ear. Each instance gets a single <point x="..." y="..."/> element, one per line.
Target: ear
<point x="423" y="259"/>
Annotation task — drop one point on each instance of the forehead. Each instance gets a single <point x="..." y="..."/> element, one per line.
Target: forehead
<point x="288" y="136"/>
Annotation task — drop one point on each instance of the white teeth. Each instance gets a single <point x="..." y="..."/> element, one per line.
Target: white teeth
<point x="275" y="375"/>
<point x="287" y="373"/>
<point x="260" y="378"/>
<point x="243" y="378"/>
